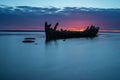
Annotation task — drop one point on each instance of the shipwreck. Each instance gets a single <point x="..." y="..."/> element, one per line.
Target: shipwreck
<point x="54" y="33"/>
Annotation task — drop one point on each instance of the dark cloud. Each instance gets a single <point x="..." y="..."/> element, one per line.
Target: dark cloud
<point x="27" y="17"/>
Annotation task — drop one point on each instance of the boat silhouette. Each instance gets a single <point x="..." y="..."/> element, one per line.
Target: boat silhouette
<point x="53" y="33"/>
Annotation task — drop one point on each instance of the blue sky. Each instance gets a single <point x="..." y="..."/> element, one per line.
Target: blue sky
<point x="63" y="3"/>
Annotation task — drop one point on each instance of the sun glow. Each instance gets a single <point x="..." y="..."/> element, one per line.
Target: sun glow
<point x="76" y="29"/>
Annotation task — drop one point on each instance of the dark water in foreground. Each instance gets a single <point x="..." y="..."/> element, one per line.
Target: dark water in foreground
<point x="72" y="59"/>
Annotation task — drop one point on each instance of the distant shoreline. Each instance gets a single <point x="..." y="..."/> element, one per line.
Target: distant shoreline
<point x="44" y="31"/>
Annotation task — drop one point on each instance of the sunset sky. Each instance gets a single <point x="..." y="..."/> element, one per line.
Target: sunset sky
<point x="71" y="14"/>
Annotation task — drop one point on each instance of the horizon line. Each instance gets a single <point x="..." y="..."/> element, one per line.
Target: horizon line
<point x="44" y="30"/>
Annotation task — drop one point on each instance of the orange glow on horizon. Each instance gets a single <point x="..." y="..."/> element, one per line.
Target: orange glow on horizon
<point x="73" y="28"/>
<point x="76" y="29"/>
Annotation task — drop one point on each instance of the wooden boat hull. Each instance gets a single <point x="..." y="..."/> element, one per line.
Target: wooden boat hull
<point x="52" y="33"/>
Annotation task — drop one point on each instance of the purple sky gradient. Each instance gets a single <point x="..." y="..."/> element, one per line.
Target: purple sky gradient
<point x="27" y="17"/>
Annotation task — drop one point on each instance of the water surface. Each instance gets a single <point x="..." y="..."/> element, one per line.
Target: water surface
<point x="70" y="59"/>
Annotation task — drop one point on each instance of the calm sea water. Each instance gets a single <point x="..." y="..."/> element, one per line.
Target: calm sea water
<point x="70" y="59"/>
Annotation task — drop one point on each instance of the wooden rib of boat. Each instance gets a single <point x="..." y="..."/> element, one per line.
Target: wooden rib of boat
<point x="53" y="33"/>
